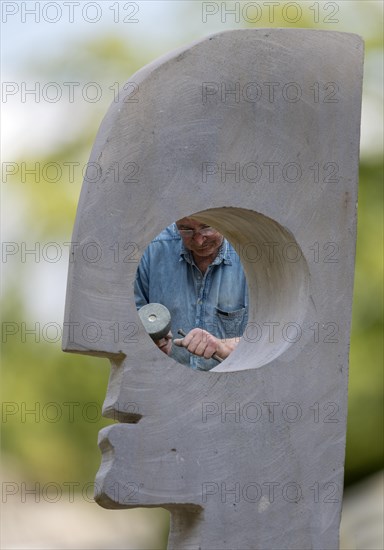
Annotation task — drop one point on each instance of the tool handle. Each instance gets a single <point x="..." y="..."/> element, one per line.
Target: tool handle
<point x="214" y="356"/>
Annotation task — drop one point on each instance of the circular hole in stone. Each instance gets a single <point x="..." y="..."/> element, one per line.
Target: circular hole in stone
<point x="277" y="278"/>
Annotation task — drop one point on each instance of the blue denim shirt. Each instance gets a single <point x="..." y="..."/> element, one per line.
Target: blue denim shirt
<point x="216" y="301"/>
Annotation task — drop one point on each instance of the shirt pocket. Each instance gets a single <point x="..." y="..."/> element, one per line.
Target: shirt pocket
<point x="231" y="324"/>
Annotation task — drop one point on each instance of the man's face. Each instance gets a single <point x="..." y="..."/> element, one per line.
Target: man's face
<point x="201" y="239"/>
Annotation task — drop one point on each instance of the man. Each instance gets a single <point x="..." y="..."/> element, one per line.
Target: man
<point x="192" y="270"/>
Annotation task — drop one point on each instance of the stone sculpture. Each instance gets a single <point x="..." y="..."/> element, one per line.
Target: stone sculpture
<point x="257" y="133"/>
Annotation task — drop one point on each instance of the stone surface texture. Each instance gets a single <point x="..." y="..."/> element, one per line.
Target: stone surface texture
<point x="249" y="455"/>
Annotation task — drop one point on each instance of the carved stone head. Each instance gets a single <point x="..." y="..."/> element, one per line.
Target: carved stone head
<point x="256" y="133"/>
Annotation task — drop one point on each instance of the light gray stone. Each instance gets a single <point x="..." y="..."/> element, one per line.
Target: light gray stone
<point x="249" y="455"/>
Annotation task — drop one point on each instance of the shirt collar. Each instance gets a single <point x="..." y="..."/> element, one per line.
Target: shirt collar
<point x="223" y="255"/>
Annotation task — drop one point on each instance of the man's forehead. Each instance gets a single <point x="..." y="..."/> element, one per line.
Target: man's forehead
<point x="190" y="222"/>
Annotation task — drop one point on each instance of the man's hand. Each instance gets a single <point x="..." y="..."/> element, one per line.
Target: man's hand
<point x="202" y="343"/>
<point x="165" y="344"/>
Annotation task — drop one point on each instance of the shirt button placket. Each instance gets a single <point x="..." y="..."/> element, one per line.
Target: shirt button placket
<point x="200" y="293"/>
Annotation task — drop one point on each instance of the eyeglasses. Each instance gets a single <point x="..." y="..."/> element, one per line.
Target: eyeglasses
<point x="203" y="231"/>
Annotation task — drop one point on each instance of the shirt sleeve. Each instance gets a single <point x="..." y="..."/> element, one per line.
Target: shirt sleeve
<point x="142" y="282"/>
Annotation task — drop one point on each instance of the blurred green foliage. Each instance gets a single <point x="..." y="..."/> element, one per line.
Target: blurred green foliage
<point x="364" y="453"/>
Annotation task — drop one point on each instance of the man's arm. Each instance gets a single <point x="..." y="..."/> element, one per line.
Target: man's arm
<point x="141" y="287"/>
<point x="202" y="343"/>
